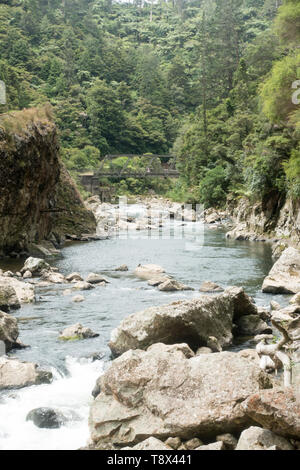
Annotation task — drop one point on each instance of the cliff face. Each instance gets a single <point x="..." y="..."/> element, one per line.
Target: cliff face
<point x="31" y="181"/>
<point x="273" y="217"/>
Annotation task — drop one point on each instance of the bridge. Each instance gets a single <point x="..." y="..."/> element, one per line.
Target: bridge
<point x="119" y="167"/>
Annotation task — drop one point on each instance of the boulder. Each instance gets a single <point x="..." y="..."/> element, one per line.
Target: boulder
<point x="148" y="271"/>
<point x="96" y="279"/>
<point x="122" y="268"/>
<point x="46" y="418"/>
<point x="211" y="216"/>
<point x="35" y="265"/>
<point x="275" y="305"/>
<point x="23" y="290"/>
<point x="203" y="350"/>
<point x="212" y="447"/>
<point x="295" y="299"/>
<point x="173" y="442"/>
<point x="77" y="332"/>
<point x="229" y="441"/>
<point x="192" y="444"/>
<point x="191" y="322"/>
<point x="78" y="298"/>
<point x="9" y="331"/>
<point x="277" y="410"/>
<point x="208" y="286"/>
<point x="2" y="348"/>
<point x="8" y="298"/>
<point x="149" y="444"/>
<point x="256" y="438"/>
<point x="16" y="374"/>
<point x="171" y="285"/>
<point x="243" y="304"/>
<point x="27" y="275"/>
<point x="159" y="279"/>
<point x="284" y="277"/>
<point x="252" y="325"/>
<point x="83" y="285"/>
<point x="74" y="277"/>
<point x="166" y="391"/>
<point x="53" y="278"/>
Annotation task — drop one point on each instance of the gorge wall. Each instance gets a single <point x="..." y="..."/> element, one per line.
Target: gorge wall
<point x="274" y="217"/>
<point x="38" y="199"/>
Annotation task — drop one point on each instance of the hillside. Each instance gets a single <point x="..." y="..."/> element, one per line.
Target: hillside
<point x="210" y="80"/>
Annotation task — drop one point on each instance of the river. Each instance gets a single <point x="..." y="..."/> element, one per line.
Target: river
<point x="223" y="261"/>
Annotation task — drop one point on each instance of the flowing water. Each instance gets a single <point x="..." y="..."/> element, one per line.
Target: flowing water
<point x="225" y="262"/>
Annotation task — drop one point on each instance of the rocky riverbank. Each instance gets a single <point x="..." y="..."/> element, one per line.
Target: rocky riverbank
<point x="273" y="219"/>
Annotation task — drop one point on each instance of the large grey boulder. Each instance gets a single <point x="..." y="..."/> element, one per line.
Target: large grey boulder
<point x="171" y="285"/>
<point x="148" y="271"/>
<point x="191" y="322"/>
<point x="243" y="304"/>
<point x="277" y="410"/>
<point x="94" y="278"/>
<point x="195" y="322"/>
<point x="166" y="391"/>
<point x="8" y="298"/>
<point x="23" y="290"/>
<point x="9" y="331"/>
<point x="256" y="438"/>
<point x="209" y="286"/>
<point x="252" y="325"/>
<point x="16" y="374"/>
<point x="35" y="265"/>
<point x="284" y="277"/>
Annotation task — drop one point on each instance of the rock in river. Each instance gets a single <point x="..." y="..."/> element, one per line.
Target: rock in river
<point x="252" y="325"/>
<point x="35" y="265"/>
<point x="9" y="331"/>
<point x="47" y="418"/>
<point x="171" y="285"/>
<point x="96" y="279"/>
<point x="166" y="391"/>
<point x="23" y="290"/>
<point x="284" y="277"/>
<point x="148" y="271"/>
<point x="208" y="286"/>
<point x="77" y="332"/>
<point x="8" y="298"/>
<point x="17" y="374"/>
<point x="191" y="322"/>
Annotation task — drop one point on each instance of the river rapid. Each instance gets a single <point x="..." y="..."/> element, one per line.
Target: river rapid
<point x="190" y="259"/>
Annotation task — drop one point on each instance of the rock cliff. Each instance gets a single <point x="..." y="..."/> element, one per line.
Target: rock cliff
<point x="38" y="199"/>
<point x="274" y="217"/>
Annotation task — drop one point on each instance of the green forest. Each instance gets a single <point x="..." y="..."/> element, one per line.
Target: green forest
<point x="214" y="82"/>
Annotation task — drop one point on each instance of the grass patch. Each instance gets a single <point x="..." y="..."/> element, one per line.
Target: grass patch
<point x="17" y="122"/>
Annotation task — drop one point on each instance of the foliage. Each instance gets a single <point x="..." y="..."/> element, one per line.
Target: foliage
<point x="210" y="80"/>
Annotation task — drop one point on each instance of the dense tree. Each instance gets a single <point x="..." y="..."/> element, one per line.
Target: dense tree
<point x="210" y="80"/>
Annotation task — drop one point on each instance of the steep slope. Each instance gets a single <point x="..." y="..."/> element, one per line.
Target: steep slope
<point x="31" y="176"/>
